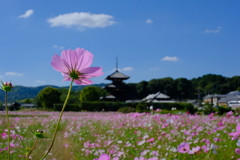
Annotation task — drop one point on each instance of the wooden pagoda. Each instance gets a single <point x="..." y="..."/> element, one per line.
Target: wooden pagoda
<point x="117" y="90"/>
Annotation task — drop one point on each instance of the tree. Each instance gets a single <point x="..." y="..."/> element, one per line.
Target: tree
<point x="184" y="88"/>
<point x="91" y="93"/>
<point x="155" y="86"/>
<point x="28" y="100"/>
<point x="142" y="90"/>
<point x="48" y="96"/>
<point x="73" y="97"/>
<point x="235" y="82"/>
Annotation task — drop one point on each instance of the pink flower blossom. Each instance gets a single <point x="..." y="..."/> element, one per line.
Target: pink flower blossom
<point x="183" y="147"/>
<point x="104" y="157"/>
<point x="205" y="148"/>
<point x="237" y="150"/>
<point x="235" y="134"/>
<point x="196" y="149"/>
<point x="229" y="114"/>
<point x="150" y="140"/>
<point x="74" y="65"/>
<point x="211" y="115"/>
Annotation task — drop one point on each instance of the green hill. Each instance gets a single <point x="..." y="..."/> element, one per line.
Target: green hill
<point x="22" y="92"/>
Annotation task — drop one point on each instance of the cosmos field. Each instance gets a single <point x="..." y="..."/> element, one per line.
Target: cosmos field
<point x="132" y="136"/>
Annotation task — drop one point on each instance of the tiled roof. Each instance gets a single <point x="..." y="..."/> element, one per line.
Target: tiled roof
<point x="117" y="75"/>
<point x="158" y="95"/>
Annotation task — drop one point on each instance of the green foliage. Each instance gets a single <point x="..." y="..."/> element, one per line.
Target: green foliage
<point x="91" y="93"/>
<point x="209" y="109"/>
<point x="142" y="107"/>
<point x="184" y="88"/>
<point x="169" y="106"/>
<point x="141" y="89"/>
<point x="126" y="109"/>
<point x="28" y="100"/>
<point x="237" y="111"/>
<point x="69" y="107"/>
<point x="73" y="98"/>
<point x="48" y="96"/>
<point x="164" y="111"/>
<point x="222" y="110"/>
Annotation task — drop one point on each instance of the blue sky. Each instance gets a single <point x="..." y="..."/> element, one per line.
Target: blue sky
<point x="151" y="38"/>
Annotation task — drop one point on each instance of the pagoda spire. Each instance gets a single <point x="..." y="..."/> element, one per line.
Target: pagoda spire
<point x="117" y="64"/>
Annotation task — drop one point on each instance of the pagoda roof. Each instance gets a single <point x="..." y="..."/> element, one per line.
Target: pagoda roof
<point x="117" y="75"/>
<point x="116" y="86"/>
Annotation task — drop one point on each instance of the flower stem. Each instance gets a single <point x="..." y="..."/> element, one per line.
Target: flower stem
<point x="8" y="124"/>
<point x="28" y="153"/>
<point x="59" y="120"/>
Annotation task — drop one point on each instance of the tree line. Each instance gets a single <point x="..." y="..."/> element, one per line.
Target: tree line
<point x="178" y="89"/>
<point x="182" y="88"/>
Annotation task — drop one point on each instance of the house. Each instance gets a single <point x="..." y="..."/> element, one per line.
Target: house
<point x="222" y="99"/>
<point x="158" y="98"/>
<point x="213" y="98"/>
<point x="28" y="105"/>
<point x="12" y="106"/>
<point x="231" y="96"/>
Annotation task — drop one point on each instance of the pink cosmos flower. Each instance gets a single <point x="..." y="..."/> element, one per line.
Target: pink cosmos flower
<point x="235" y="134"/>
<point x="74" y="65"/>
<point x="205" y="148"/>
<point x="183" y="147"/>
<point x="211" y="115"/>
<point x="237" y="150"/>
<point x="104" y="157"/>
<point x="229" y="114"/>
<point x="196" y="149"/>
<point x="150" y="140"/>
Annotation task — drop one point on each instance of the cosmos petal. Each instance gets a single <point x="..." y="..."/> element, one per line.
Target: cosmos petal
<point x="84" y="58"/>
<point x="70" y="57"/>
<point x="83" y="81"/>
<point x="104" y="157"/>
<point x="58" y="64"/>
<point x="238" y="127"/>
<point x="235" y="134"/>
<point x="92" y="72"/>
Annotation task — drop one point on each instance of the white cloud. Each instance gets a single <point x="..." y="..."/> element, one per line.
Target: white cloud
<point x="58" y="47"/>
<point x="81" y="20"/>
<point x="149" y="21"/>
<point x="39" y="81"/>
<point x="127" y="69"/>
<point x="13" y="74"/>
<point x="213" y="31"/>
<point x="167" y="58"/>
<point x="27" y="14"/>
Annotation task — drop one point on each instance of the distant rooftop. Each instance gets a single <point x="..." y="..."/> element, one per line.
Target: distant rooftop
<point x="117" y="75"/>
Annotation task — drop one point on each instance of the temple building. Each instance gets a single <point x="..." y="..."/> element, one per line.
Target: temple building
<point x="117" y="90"/>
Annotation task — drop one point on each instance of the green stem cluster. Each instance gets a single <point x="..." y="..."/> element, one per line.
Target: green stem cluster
<point x="8" y="123"/>
<point x="28" y="153"/>
<point x="59" y="120"/>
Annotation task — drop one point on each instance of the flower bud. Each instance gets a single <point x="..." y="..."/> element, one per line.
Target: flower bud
<point x="7" y="86"/>
<point x="39" y="134"/>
